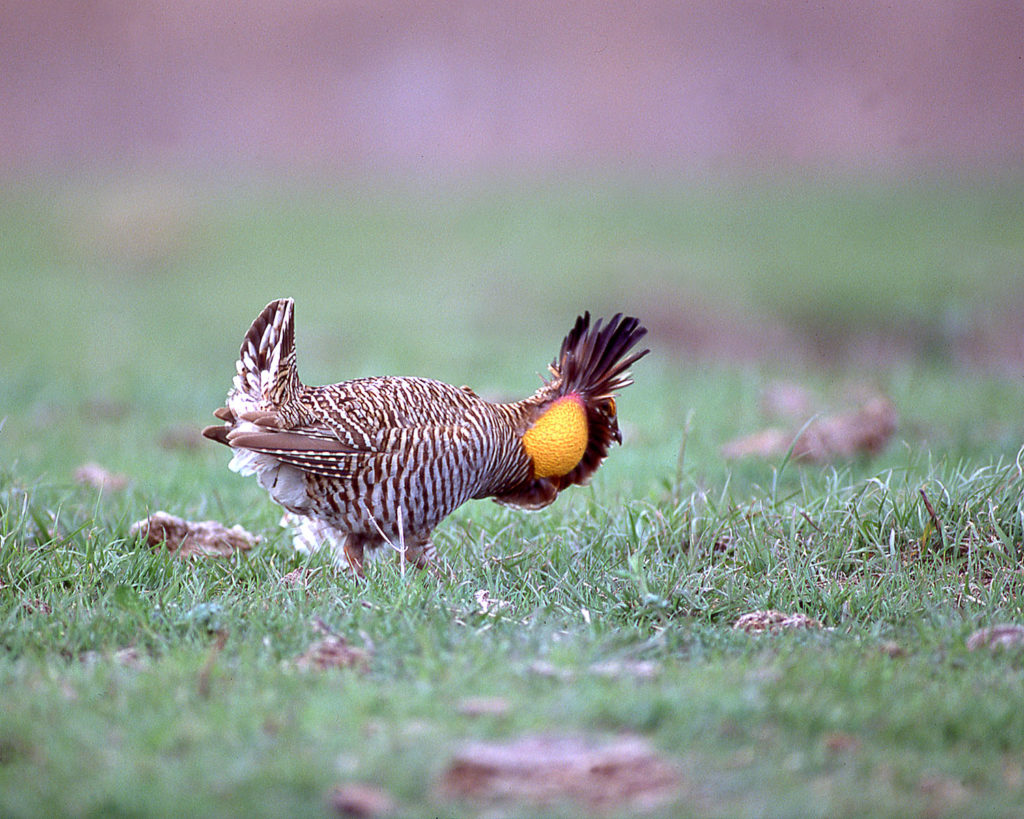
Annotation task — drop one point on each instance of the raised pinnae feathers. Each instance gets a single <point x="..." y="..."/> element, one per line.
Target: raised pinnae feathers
<point x="594" y="361"/>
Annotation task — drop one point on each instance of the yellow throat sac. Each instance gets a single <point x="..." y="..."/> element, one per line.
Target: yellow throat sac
<point x="557" y="440"/>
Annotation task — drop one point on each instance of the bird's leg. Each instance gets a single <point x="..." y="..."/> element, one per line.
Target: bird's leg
<point x="353" y="548"/>
<point x="419" y="552"/>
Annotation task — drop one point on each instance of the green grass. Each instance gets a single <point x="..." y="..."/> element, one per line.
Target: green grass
<point x="123" y="308"/>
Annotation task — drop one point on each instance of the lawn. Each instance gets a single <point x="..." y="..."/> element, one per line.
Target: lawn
<point x="136" y="683"/>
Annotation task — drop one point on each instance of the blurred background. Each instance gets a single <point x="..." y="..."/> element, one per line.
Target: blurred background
<point x="471" y="87"/>
<point x="443" y="187"/>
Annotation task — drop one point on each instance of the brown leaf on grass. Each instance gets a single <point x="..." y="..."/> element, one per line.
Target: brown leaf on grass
<point x="543" y="668"/>
<point x="483" y="707"/>
<point x="487" y="604"/>
<point x="626" y="669"/>
<point x="360" y="801"/>
<point x="772" y="621"/>
<point x="94" y="475"/>
<point x="296" y="577"/>
<point x="890" y="648"/>
<point x="839" y="742"/>
<point x="37" y="605"/>
<point x="864" y="431"/>
<point x="1005" y="635"/>
<point x="944" y="795"/>
<point x="187" y="538"/>
<point x="332" y="651"/>
<point x="302" y="576"/>
<point x="129" y="657"/>
<point x="600" y="774"/>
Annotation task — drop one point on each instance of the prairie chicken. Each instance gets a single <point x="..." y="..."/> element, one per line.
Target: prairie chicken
<point x="378" y="462"/>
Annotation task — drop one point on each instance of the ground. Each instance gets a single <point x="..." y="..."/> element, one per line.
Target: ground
<point x="599" y="632"/>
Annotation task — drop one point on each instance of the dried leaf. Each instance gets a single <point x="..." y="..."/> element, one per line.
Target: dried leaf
<point x="129" y="657"/>
<point x="1005" y="635"/>
<point x="626" y="669"/>
<point x="839" y="742"/>
<point x="864" y="431"/>
<point x="542" y="668"/>
<point x="600" y="774"/>
<point x="944" y="794"/>
<point x="488" y="605"/>
<point x="302" y="576"/>
<point x="361" y="801"/>
<point x="890" y="648"/>
<point x="483" y="707"/>
<point x="94" y="475"/>
<point x="186" y="538"/>
<point x="332" y="651"/>
<point x="772" y="621"/>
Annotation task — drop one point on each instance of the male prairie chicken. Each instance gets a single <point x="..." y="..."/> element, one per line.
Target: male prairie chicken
<point x="374" y="462"/>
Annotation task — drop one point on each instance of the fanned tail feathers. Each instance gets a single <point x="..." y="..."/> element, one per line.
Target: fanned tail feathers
<point x="266" y="378"/>
<point x="266" y="371"/>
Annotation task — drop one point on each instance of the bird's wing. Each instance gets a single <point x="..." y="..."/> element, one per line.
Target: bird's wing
<point x="311" y="450"/>
<point x="318" y="451"/>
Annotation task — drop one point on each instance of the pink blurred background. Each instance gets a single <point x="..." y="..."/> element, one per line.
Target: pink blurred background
<point x="394" y="85"/>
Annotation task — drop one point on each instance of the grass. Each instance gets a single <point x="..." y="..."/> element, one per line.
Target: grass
<point x="137" y="684"/>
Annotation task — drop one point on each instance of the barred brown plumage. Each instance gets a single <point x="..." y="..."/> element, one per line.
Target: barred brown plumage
<point x="373" y="461"/>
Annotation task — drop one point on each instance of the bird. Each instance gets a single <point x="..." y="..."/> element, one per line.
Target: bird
<point x="373" y="464"/>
